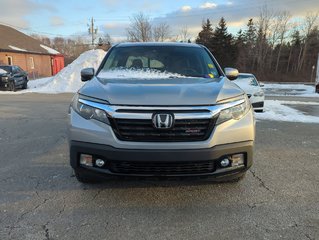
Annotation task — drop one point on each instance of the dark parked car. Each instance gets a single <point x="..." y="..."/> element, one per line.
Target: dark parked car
<point x="13" y="77"/>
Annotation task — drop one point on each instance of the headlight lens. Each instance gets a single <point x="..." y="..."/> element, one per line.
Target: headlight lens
<point x="259" y="94"/>
<point x="5" y="79"/>
<point x="89" y="112"/>
<point x="234" y="112"/>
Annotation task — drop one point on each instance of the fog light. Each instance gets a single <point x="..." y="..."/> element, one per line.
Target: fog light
<point x="224" y="163"/>
<point x="237" y="160"/>
<point x="99" y="162"/>
<point x="86" y="160"/>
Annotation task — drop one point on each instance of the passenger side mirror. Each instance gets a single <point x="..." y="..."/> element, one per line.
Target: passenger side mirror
<point x="87" y="74"/>
<point x="231" y="73"/>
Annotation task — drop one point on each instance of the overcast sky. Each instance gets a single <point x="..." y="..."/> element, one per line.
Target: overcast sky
<point x="70" y="17"/>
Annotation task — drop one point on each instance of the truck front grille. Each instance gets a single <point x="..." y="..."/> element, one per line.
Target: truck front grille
<point x="143" y="130"/>
<point x="161" y="168"/>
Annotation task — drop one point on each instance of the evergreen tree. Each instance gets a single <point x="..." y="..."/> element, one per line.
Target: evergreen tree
<point x="222" y="46"/>
<point x="296" y="40"/>
<point x="240" y="37"/>
<point x="206" y="34"/>
<point x="250" y="48"/>
<point x="240" y="52"/>
<point x="250" y="35"/>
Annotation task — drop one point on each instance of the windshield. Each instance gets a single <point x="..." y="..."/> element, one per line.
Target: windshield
<point x="184" y="61"/>
<point x="5" y="69"/>
<point x="247" y="79"/>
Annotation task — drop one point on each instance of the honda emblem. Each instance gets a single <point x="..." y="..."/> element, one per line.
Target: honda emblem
<point x="163" y="120"/>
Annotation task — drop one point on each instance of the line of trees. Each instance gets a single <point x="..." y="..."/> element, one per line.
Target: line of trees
<point x="141" y="29"/>
<point x="272" y="47"/>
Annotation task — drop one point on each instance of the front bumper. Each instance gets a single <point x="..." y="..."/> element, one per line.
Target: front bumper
<point x="4" y="83"/>
<point x="258" y="105"/>
<point x="160" y="162"/>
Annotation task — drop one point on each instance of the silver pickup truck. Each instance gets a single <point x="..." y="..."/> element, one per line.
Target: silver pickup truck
<point x="163" y="110"/>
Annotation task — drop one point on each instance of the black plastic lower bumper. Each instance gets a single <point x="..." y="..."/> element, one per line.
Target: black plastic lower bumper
<point x="258" y="104"/>
<point x="158" y="162"/>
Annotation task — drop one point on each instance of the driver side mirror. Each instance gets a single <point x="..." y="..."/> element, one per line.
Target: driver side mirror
<point x="231" y="73"/>
<point x="87" y="74"/>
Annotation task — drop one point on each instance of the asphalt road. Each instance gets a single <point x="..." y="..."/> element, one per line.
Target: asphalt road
<point x="41" y="199"/>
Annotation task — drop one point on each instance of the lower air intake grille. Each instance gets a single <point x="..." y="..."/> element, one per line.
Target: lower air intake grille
<point x="162" y="168"/>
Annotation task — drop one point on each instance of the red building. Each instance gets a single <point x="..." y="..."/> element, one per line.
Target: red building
<point x="57" y="62"/>
<point x="17" y="48"/>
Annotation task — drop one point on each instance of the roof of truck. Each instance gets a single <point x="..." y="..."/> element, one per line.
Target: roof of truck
<point x="145" y="44"/>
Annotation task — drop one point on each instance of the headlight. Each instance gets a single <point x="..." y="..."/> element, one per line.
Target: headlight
<point x="259" y="94"/>
<point x="89" y="112"/>
<point x="235" y="112"/>
<point x="5" y="79"/>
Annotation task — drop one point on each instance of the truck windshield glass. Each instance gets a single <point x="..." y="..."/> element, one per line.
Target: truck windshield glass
<point x="185" y="61"/>
<point x="6" y="68"/>
<point x="248" y="79"/>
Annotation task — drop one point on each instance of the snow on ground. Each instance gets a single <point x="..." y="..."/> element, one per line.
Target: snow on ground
<point x="302" y="90"/>
<point x="279" y="111"/>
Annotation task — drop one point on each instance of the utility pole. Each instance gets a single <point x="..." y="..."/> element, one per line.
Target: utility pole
<point x="92" y="30"/>
<point x="312" y="71"/>
<point x="317" y="77"/>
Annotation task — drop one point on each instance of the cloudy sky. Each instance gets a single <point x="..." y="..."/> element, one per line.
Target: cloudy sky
<point x="70" y="18"/>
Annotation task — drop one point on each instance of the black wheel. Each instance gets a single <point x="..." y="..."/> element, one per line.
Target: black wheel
<point x="25" y="84"/>
<point x="259" y="110"/>
<point x="12" y="86"/>
<point x="85" y="177"/>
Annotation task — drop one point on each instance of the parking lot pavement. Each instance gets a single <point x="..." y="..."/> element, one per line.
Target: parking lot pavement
<point x="41" y="199"/>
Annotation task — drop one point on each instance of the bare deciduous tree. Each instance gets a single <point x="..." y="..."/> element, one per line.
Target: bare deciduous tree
<point x="140" y="29"/>
<point x="308" y="25"/>
<point x="161" y="32"/>
<point x="264" y="22"/>
<point x="283" y="19"/>
<point x="184" y="34"/>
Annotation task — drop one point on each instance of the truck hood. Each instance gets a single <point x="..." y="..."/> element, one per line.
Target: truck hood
<point x="161" y="92"/>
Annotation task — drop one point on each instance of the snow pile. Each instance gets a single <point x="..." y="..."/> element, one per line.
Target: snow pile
<point x="301" y="90"/>
<point x="134" y="73"/>
<point x="278" y="111"/>
<point x="2" y="71"/>
<point x="17" y="49"/>
<point x="69" y="79"/>
<point x="50" y="50"/>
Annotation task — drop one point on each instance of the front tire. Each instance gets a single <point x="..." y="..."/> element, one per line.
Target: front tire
<point x="25" y="84"/>
<point x="12" y="86"/>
